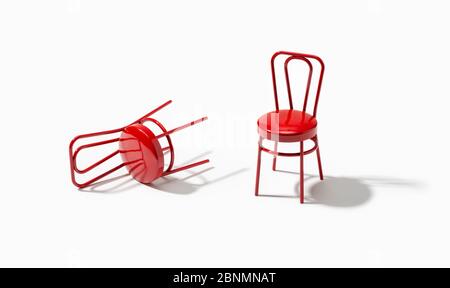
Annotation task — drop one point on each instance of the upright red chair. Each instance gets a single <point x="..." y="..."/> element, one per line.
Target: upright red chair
<point x="139" y="148"/>
<point x="290" y="125"/>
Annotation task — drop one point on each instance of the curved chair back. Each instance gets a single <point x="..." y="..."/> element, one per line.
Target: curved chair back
<point x="303" y="57"/>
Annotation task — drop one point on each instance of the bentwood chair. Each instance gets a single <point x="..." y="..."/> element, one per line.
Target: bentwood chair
<point x="291" y="125"/>
<point x="139" y="147"/>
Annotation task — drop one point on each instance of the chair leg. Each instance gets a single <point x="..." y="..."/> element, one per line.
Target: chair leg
<point x="258" y="168"/>
<point x="319" y="160"/>
<point x="302" y="184"/>
<point x="274" y="163"/>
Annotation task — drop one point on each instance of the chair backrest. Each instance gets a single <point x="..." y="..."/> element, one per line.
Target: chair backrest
<point x="306" y="58"/>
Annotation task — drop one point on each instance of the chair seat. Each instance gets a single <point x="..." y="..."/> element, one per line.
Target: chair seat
<point x="287" y="126"/>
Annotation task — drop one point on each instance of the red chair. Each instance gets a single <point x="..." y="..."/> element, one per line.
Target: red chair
<point x="290" y="125"/>
<point x="139" y="148"/>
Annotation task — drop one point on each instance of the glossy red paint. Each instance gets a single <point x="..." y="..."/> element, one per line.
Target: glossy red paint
<point x="291" y="125"/>
<point x="138" y="144"/>
<point x="139" y="147"/>
<point x="287" y="126"/>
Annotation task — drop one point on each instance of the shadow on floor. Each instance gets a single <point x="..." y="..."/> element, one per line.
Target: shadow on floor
<point x="340" y="192"/>
<point x="170" y="184"/>
<point x="182" y="187"/>
<point x="351" y="192"/>
<point x="344" y="191"/>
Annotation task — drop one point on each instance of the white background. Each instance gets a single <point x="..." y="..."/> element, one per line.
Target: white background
<point x="74" y="66"/>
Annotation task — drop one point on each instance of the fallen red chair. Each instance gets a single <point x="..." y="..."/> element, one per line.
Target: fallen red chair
<point x="140" y="149"/>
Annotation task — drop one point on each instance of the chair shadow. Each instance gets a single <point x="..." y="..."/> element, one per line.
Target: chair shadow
<point x="340" y="192"/>
<point x="344" y="191"/>
<point x="182" y="187"/>
<point x="170" y="184"/>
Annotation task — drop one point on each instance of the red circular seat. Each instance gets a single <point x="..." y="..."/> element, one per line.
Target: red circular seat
<point x="142" y="153"/>
<point x="287" y="126"/>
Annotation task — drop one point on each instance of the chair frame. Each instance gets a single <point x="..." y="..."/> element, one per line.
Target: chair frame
<point x="73" y="153"/>
<point x="305" y="58"/>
